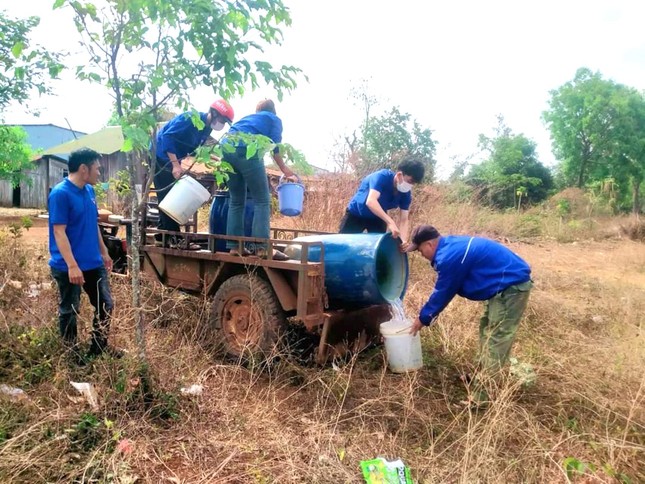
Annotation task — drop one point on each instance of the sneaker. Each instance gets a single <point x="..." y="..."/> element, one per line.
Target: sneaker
<point x="277" y="255"/>
<point x="185" y="245"/>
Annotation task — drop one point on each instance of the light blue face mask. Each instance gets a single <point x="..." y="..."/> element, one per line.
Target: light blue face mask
<point x="217" y="126"/>
<point x="404" y="187"/>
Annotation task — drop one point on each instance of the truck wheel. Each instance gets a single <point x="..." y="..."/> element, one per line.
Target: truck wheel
<point x="249" y="315"/>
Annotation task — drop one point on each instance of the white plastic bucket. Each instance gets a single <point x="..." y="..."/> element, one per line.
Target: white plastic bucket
<point x="184" y="199"/>
<point x="403" y="350"/>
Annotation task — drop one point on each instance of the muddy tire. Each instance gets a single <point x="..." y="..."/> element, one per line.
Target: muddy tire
<point x="249" y="316"/>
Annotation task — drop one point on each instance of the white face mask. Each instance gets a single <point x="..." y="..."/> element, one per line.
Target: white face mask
<point x="404" y="187"/>
<point x="217" y="126"/>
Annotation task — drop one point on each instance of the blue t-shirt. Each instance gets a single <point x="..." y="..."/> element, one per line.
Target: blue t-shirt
<point x="181" y="137"/>
<point x="263" y="122"/>
<point x="473" y="267"/>
<point x="76" y="208"/>
<point x="383" y="182"/>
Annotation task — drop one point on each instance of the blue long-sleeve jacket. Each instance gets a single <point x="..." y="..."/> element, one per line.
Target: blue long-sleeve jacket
<point x="473" y="267"/>
<point x="180" y="136"/>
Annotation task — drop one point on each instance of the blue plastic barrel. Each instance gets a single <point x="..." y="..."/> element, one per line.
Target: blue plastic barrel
<point x="291" y="196"/>
<point x="219" y="215"/>
<point x="360" y="269"/>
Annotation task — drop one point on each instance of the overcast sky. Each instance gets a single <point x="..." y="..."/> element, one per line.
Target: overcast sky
<point x="452" y="65"/>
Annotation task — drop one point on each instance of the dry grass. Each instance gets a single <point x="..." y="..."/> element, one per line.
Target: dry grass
<point x="583" y="333"/>
<point x="634" y="230"/>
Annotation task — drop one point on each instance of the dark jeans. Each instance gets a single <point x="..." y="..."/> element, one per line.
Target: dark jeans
<point x="97" y="288"/>
<point x="249" y="174"/>
<point x="163" y="182"/>
<point x="353" y="224"/>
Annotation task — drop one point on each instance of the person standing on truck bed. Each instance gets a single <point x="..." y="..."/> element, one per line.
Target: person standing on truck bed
<point x="79" y="258"/>
<point x="379" y="192"/>
<point x="178" y="139"/>
<point x="250" y="172"/>
<point x="478" y="269"/>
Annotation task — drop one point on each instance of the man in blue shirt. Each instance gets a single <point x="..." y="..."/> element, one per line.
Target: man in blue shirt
<point x="178" y="139"/>
<point x="250" y="173"/>
<point x="478" y="269"/>
<point x="379" y="192"/>
<point x="79" y="257"/>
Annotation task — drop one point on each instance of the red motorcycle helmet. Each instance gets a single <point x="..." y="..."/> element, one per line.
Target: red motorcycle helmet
<point x="224" y="109"/>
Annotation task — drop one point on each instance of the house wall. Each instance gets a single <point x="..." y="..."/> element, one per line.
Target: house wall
<point x="6" y="193"/>
<point x="111" y="164"/>
<point x="57" y="171"/>
<point x="34" y="194"/>
<point x="46" y="174"/>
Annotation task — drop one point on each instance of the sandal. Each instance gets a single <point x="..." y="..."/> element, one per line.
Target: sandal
<point x="277" y="255"/>
<point x="185" y="245"/>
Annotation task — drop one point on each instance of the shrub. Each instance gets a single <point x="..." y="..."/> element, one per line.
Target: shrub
<point x="529" y="226"/>
<point x="634" y="230"/>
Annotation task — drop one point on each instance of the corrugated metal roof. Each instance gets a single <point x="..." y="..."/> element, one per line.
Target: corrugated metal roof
<point x="43" y="136"/>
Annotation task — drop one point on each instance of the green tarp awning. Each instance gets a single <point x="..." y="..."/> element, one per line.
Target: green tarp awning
<point x="106" y="141"/>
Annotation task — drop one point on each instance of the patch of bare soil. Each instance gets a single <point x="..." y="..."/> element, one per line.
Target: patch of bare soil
<point x="37" y="234"/>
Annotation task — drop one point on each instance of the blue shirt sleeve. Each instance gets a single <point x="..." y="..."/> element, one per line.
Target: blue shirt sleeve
<point x="452" y="274"/>
<point x="58" y="208"/>
<point x="276" y="130"/>
<point x="405" y="201"/>
<point x="173" y="131"/>
<point x="166" y="144"/>
<point x="181" y="137"/>
<point x="378" y="181"/>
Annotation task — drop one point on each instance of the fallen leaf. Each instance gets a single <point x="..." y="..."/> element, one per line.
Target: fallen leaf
<point x="341" y="454"/>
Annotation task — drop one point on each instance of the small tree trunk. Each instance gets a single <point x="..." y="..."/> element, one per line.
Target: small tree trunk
<point x="135" y="269"/>
<point x="583" y="164"/>
<point x="136" y="281"/>
<point x="581" y="174"/>
<point x="636" y="197"/>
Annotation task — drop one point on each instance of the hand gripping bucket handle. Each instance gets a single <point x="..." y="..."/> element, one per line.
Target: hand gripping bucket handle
<point x="290" y="197"/>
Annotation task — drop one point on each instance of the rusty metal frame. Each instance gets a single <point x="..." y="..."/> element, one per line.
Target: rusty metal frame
<point x="310" y="296"/>
<point x="286" y="295"/>
<point x="351" y="331"/>
<point x="298" y="284"/>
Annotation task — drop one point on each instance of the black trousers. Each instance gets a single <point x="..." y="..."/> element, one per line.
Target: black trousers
<point x="353" y="224"/>
<point x="97" y="288"/>
<point x="163" y="182"/>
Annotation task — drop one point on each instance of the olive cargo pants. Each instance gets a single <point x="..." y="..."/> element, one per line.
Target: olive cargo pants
<point x="497" y="329"/>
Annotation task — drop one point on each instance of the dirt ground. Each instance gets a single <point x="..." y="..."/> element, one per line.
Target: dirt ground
<point x="37" y="234"/>
<point x="582" y="334"/>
